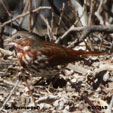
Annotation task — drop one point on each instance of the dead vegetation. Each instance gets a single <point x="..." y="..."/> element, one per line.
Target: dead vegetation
<point x="83" y="86"/>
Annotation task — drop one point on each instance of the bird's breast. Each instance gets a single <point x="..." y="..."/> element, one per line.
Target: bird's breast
<point x="30" y="57"/>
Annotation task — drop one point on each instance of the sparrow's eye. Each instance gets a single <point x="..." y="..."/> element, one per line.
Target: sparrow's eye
<point x="18" y="37"/>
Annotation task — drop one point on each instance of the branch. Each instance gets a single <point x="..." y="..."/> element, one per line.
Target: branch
<point x="24" y="14"/>
<point x="86" y="31"/>
<point x="5" y="7"/>
<point x="30" y="11"/>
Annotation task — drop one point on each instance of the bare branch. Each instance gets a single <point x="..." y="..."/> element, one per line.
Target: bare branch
<point x="86" y="31"/>
<point x="30" y="13"/>
<point x="24" y="14"/>
<point x="97" y="13"/>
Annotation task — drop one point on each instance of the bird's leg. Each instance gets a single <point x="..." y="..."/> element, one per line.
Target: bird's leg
<point x="28" y="86"/>
<point x="38" y="82"/>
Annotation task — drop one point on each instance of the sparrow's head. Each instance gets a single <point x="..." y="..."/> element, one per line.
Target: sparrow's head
<point x="21" y="39"/>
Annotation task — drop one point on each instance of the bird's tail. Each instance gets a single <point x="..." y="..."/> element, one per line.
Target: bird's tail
<point x="83" y="53"/>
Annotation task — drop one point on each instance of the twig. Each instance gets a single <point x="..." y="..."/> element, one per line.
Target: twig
<point x="5" y="7"/>
<point x="88" y="30"/>
<point x="50" y="33"/>
<point x="69" y="30"/>
<point x="30" y="13"/>
<point x="11" y="92"/>
<point x="98" y="14"/>
<point x="106" y="9"/>
<point x="24" y="14"/>
<point x="48" y="26"/>
<point x="52" y="21"/>
<point x="91" y="12"/>
<point x="78" y="69"/>
<point x="54" y="7"/>
<point x="60" y="18"/>
<point x="10" y="83"/>
<point x="65" y="19"/>
<point x="6" y="52"/>
<point x="23" y="11"/>
<point x="65" y="34"/>
<point x="111" y="104"/>
<point x="1" y="39"/>
<point x="49" y="99"/>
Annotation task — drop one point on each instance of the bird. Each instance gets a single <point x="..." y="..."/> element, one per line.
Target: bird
<point x="42" y="58"/>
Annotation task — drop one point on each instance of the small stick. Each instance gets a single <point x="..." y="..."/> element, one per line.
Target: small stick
<point x="11" y="92"/>
<point x="30" y="13"/>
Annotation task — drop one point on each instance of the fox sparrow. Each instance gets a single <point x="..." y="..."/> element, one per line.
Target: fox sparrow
<point x="42" y="58"/>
